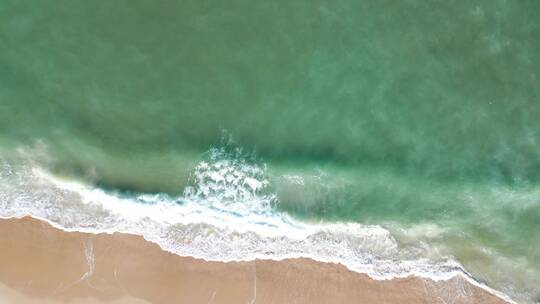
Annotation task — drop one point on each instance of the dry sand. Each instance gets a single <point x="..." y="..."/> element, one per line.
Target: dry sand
<point x="42" y="264"/>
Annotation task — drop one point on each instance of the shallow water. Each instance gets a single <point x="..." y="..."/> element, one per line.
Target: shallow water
<point x="419" y="119"/>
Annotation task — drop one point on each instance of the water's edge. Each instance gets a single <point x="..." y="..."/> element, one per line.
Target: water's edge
<point x="462" y="273"/>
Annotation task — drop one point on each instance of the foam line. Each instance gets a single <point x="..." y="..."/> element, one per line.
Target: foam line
<point x="222" y="218"/>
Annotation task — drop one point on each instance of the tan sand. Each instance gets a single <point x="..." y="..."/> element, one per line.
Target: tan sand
<point x="41" y="264"/>
<point x="11" y="296"/>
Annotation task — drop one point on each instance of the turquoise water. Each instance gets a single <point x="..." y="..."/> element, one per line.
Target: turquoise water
<point x="402" y="114"/>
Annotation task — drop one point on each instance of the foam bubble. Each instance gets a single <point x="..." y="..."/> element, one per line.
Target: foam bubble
<point x="226" y="214"/>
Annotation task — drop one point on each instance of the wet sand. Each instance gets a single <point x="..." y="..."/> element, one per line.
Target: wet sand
<point x="40" y="264"/>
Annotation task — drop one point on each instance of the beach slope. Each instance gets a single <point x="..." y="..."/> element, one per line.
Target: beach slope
<point x="42" y="264"/>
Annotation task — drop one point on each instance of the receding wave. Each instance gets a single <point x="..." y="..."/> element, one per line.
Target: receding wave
<point x="227" y="214"/>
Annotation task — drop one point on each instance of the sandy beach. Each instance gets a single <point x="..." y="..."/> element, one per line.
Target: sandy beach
<point x="42" y="264"/>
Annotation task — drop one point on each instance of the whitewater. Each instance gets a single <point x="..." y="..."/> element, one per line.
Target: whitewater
<point x="227" y="214"/>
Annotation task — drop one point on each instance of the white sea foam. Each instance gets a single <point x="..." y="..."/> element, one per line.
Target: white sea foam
<point x="226" y="215"/>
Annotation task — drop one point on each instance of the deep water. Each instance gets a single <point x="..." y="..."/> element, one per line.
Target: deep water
<point x="404" y="114"/>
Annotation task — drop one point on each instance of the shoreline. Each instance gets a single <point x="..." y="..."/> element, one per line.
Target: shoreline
<point x="38" y="260"/>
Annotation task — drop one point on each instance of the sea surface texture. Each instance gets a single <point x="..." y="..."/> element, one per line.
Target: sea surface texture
<point x="395" y="137"/>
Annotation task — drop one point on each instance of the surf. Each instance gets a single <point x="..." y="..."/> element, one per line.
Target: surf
<point x="228" y="213"/>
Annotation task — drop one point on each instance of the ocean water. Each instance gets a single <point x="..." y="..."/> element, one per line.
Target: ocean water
<point x="397" y="138"/>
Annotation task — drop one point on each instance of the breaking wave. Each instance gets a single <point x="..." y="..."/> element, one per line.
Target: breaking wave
<point x="227" y="214"/>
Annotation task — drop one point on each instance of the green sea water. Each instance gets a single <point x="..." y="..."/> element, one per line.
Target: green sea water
<point x="399" y="113"/>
